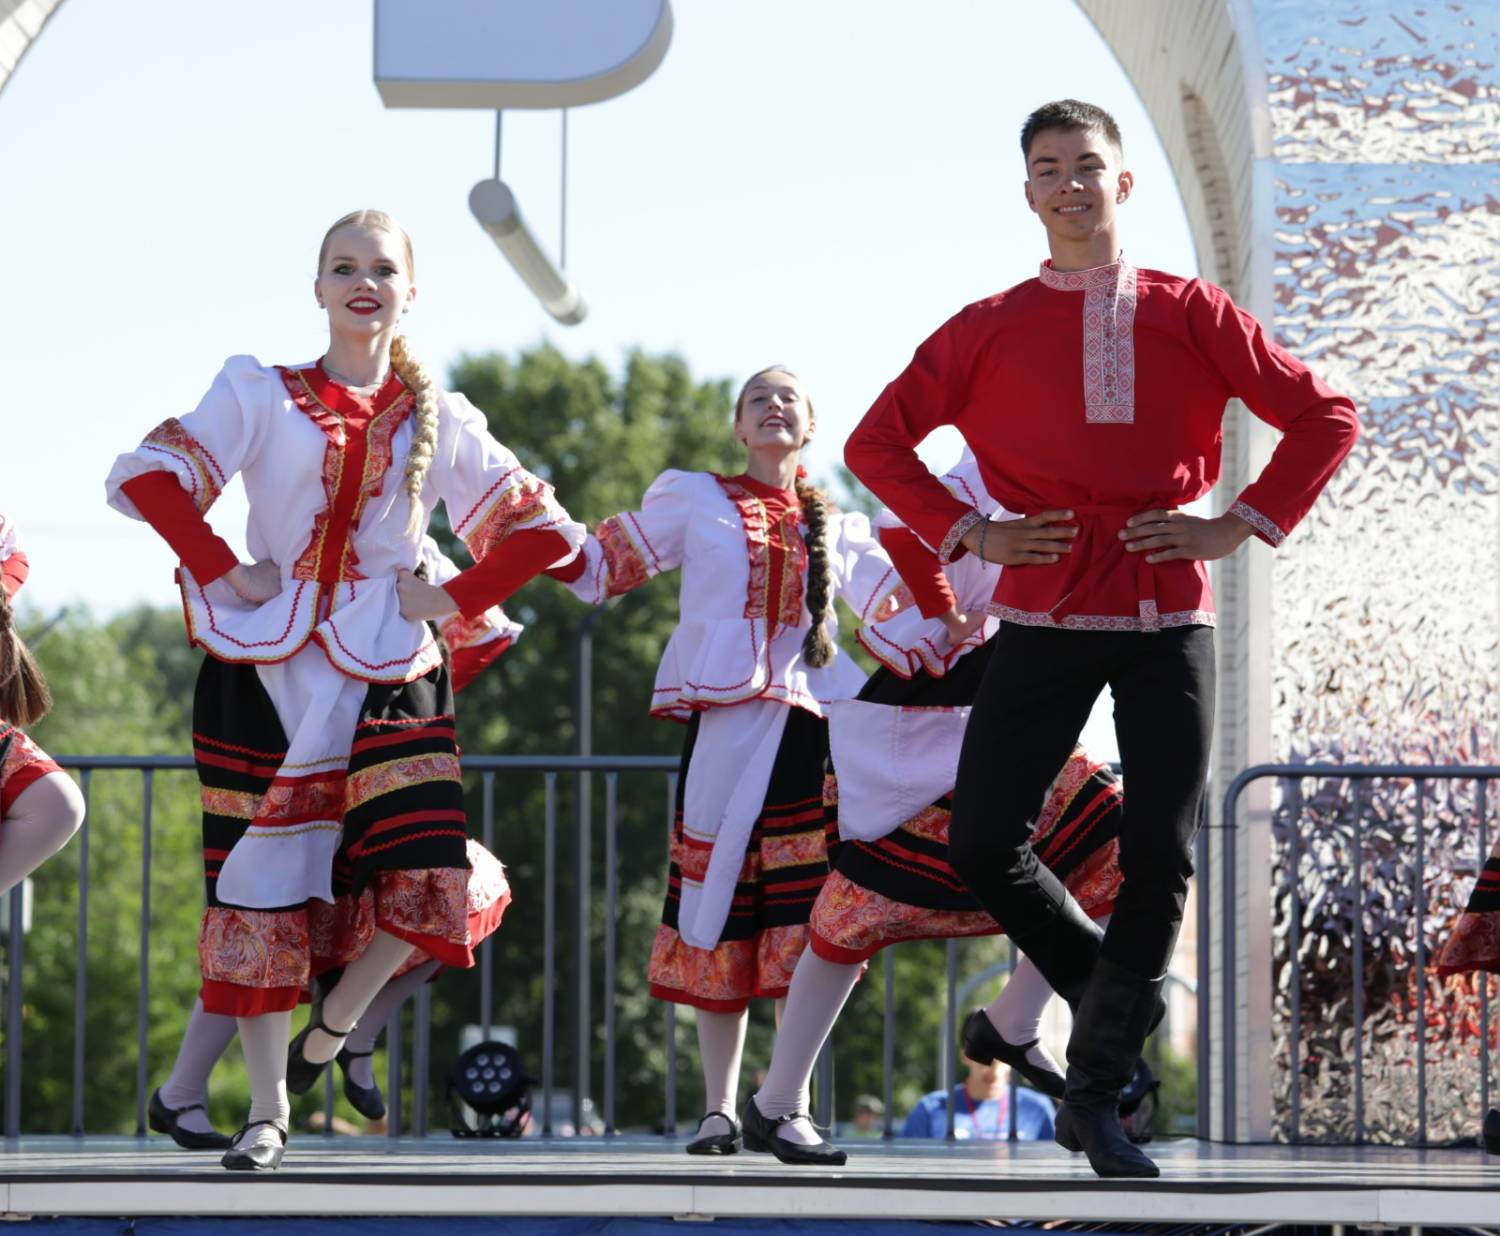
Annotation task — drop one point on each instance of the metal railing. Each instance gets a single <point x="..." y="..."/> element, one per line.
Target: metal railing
<point x="1290" y="779"/>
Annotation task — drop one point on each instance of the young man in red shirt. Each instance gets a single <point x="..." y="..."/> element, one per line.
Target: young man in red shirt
<point x="1093" y="397"/>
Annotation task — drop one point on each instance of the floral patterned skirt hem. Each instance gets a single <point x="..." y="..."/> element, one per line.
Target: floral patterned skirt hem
<point x="726" y="978"/>
<point x="233" y="1000"/>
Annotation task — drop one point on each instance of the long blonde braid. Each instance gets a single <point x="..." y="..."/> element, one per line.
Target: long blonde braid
<point x="24" y="696"/>
<point x="424" y="438"/>
<point x="817" y="645"/>
<point x="408" y="368"/>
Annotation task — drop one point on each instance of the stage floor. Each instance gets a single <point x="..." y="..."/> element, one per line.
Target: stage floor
<point x="1200" y="1182"/>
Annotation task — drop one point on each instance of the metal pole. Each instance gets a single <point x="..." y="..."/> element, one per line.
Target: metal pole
<point x="1294" y="946"/>
<point x="81" y="965"/>
<point x="1420" y="977"/>
<point x="17" y="948"/>
<point x="486" y="950"/>
<point x="549" y="944"/>
<point x="1484" y="979"/>
<point x="562" y="248"/>
<point x="888" y="1045"/>
<point x="143" y="1017"/>
<point x="1358" y="983"/>
<point x="1204" y="1011"/>
<point x="393" y="1049"/>
<point x="823" y="1080"/>
<point x="499" y="115"/>
<point x="611" y="904"/>
<point x="585" y="715"/>
<point x="669" y="1121"/>
<point x="421" y="1057"/>
<point x="1229" y="851"/>
<point x="1012" y="1134"/>
<point x="328" y="1101"/>
<point x="950" y="1071"/>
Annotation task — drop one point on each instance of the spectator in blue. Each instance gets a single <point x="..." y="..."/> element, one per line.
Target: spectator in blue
<point x="981" y="1109"/>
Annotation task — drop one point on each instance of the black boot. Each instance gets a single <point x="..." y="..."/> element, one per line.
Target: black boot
<point x="1108" y="1032"/>
<point x="1492" y="1131"/>
<point x="366" y="1100"/>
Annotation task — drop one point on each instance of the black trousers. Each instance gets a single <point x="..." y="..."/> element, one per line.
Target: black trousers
<point x="1035" y="698"/>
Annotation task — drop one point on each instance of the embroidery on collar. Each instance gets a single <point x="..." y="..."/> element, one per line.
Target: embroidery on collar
<point x="757" y="524"/>
<point x="1109" y="301"/>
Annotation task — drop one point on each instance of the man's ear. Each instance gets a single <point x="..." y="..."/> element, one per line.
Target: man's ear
<point x="1127" y="183"/>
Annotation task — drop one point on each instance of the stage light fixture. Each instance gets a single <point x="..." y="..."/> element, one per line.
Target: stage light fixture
<point x="494" y="205"/>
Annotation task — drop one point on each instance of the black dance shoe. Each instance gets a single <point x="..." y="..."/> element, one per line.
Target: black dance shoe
<point x="1491" y="1133"/>
<point x="760" y="1134"/>
<point x="984" y="1044"/>
<point x="366" y="1100"/>
<point x="717" y="1143"/>
<point x="163" y="1119"/>
<point x="255" y="1158"/>
<point x="301" y="1073"/>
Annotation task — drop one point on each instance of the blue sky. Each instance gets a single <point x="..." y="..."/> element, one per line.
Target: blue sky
<point x="815" y="184"/>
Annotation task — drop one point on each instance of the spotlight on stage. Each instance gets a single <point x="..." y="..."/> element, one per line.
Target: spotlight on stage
<point x="489" y="1092"/>
<point x="494" y="205"/>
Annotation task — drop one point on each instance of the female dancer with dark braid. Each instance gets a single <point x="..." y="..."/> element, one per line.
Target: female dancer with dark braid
<point x="750" y="668"/>
<point x="334" y="827"/>
<point x="1474" y="948"/>
<point x="40" y="807"/>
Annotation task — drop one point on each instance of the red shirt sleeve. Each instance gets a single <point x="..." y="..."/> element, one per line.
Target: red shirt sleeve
<point x="167" y="507"/>
<point x="919" y="570"/>
<point x="881" y="452"/>
<point x="569" y="571"/>
<point x="1319" y="426"/>
<point x="17" y="567"/>
<point x="521" y="556"/>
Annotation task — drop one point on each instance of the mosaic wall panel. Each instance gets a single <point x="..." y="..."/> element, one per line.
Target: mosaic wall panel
<point x="1386" y="140"/>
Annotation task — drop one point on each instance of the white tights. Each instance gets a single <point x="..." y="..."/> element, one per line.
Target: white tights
<point x="721" y="1047"/>
<point x="264" y="1040"/>
<point x="359" y="984"/>
<point x="203" y="1042"/>
<point x="42" y="820"/>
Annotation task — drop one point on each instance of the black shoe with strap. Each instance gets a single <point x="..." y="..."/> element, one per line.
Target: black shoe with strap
<point x="258" y="1158"/>
<point x="164" y="1119"/>
<point x="1491" y="1133"/>
<point x="301" y="1073"/>
<point x="366" y="1100"/>
<point x="760" y="1134"/>
<point x="1113" y="1018"/>
<point x="717" y="1143"/>
<point x="984" y="1044"/>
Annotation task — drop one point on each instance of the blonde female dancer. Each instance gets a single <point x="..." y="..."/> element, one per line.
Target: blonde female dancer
<point x="334" y="828"/>
<point x="750" y="668"/>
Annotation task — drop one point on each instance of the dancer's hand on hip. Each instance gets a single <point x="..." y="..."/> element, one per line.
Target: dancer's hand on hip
<point x="256" y="583"/>
<point x="960" y="625"/>
<point x="421" y="601"/>
<point x="1038" y="539"/>
<point x="1165" y="535"/>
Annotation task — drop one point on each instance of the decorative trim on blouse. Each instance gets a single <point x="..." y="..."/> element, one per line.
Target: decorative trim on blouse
<point x="1109" y="302"/>
<point x="1147" y="621"/>
<point x="170" y="438"/>
<point x="949" y="547"/>
<point x="793" y="562"/>
<point x="624" y="561"/>
<point x="522" y="500"/>
<point x="356" y="458"/>
<point x="1267" y="530"/>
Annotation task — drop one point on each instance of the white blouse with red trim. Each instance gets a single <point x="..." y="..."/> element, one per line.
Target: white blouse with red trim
<point x="908" y="643"/>
<point x="727" y="649"/>
<point x="269" y="426"/>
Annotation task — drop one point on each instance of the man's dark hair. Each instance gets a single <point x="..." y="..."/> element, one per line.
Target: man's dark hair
<point x="1069" y="114"/>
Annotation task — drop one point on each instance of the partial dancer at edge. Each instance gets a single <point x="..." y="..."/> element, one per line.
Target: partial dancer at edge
<point x="750" y="668"/>
<point x="1474" y="948"/>
<point x="40" y="807"/>
<point x="1093" y="397"/>
<point x="892" y="879"/>
<point x="179" y="1107"/>
<point x="334" y="826"/>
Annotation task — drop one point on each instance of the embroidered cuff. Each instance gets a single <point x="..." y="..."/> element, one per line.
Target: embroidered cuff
<point x="1264" y="528"/>
<point x="950" y="546"/>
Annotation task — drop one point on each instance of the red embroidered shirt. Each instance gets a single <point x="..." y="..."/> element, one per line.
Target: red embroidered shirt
<point x="919" y="569"/>
<point x="1102" y="392"/>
